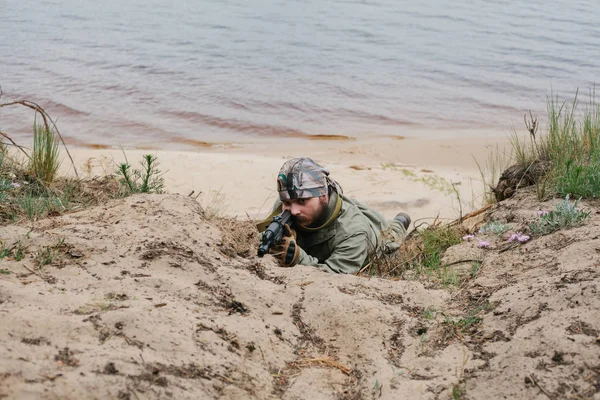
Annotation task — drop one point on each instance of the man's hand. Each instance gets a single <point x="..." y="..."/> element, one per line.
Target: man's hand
<point x="287" y="251"/>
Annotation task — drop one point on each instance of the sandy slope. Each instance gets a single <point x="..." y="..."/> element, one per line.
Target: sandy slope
<point x="145" y="298"/>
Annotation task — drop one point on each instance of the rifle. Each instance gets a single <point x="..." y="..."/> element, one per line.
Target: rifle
<point x="274" y="232"/>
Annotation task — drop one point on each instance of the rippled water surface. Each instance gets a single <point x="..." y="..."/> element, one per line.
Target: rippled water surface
<point x="144" y="72"/>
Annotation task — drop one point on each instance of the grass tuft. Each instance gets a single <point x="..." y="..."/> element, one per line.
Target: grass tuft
<point x="567" y="154"/>
<point x="44" y="161"/>
<point x="420" y="256"/>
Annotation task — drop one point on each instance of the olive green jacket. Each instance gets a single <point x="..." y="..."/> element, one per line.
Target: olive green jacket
<point x="345" y="244"/>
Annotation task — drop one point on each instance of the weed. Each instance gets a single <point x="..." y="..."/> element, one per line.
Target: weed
<point x="4" y="271"/>
<point x="215" y="207"/>
<point x="470" y="320"/>
<point x="434" y="182"/>
<point x="377" y="389"/>
<point x="449" y="277"/>
<point x="4" y="252"/>
<point x="456" y="392"/>
<point x="564" y="160"/>
<point x="566" y="215"/>
<point x="571" y="146"/>
<point x="147" y="180"/>
<point x="408" y="173"/>
<point x="19" y="252"/>
<point x="420" y="255"/>
<point x="33" y="207"/>
<point x="495" y="228"/>
<point x="475" y="269"/>
<point x="44" y="161"/>
<point x="48" y="254"/>
<point x="429" y="313"/>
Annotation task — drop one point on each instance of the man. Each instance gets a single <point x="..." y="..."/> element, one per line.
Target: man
<point x="330" y="231"/>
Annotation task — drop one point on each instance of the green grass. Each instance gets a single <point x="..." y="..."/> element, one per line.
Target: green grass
<point x="432" y="243"/>
<point x="565" y="215"/>
<point x="475" y="269"/>
<point x="44" y="162"/>
<point x="569" y="149"/>
<point x="29" y="191"/>
<point x="4" y="252"/>
<point x="30" y="188"/>
<point x="420" y="257"/>
<point x="470" y="320"/>
<point x="436" y="241"/>
<point x="19" y="251"/>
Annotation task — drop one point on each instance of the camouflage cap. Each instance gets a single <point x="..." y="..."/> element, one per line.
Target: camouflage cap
<point x="302" y="178"/>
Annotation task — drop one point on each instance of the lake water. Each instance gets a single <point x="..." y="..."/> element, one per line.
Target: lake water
<point x="152" y="72"/>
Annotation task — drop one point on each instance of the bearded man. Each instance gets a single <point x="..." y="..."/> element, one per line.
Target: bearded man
<point x="330" y="231"/>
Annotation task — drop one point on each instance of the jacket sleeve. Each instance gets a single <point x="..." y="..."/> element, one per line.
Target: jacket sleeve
<point x="348" y="256"/>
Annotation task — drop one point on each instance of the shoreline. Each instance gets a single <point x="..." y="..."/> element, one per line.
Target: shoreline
<point x="414" y="175"/>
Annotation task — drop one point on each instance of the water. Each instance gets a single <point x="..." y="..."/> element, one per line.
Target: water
<point x="153" y="72"/>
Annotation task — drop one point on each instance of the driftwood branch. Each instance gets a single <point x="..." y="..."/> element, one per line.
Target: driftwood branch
<point x="13" y="142"/>
<point x="46" y="118"/>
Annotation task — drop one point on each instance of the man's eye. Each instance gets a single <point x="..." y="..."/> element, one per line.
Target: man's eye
<point x="301" y="201"/>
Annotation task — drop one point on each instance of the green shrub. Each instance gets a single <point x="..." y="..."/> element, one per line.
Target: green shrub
<point x="566" y="215"/>
<point x="495" y="228"/>
<point x="147" y="180"/>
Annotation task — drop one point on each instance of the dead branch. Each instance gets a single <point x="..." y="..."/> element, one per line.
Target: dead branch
<point x="13" y="142"/>
<point x="471" y="215"/>
<point x="45" y="117"/>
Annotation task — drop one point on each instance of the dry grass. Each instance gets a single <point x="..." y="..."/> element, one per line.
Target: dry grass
<point x="325" y="361"/>
<point x="239" y="237"/>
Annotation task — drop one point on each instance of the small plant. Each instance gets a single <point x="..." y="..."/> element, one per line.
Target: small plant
<point x="429" y="313"/>
<point x="44" y="161"/>
<point x="456" y="392"/>
<point x="4" y="252"/>
<point x="475" y="269"/>
<point x="566" y="215"/>
<point x="147" y="180"/>
<point x="19" y="252"/>
<point x="33" y="207"/>
<point x="377" y="389"/>
<point x="45" y="256"/>
<point x="5" y="186"/>
<point x="470" y="320"/>
<point x="49" y="254"/>
<point x="449" y="277"/>
<point x="495" y="228"/>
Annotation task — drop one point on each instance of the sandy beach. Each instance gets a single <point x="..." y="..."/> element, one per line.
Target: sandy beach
<point x="390" y="174"/>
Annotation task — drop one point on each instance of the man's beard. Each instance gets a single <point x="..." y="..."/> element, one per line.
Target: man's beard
<point x="321" y="216"/>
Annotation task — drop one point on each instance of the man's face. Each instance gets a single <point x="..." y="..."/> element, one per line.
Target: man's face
<point x="307" y="211"/>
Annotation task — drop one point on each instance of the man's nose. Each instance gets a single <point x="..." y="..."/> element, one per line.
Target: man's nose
<point x="294" y="209"/>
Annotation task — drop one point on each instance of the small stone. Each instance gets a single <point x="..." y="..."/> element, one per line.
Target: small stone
<point x="75" y="253"/>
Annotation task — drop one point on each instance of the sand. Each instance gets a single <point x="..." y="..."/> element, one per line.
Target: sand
<point x="148" y="297"/>
<point x="423" y="177"/>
